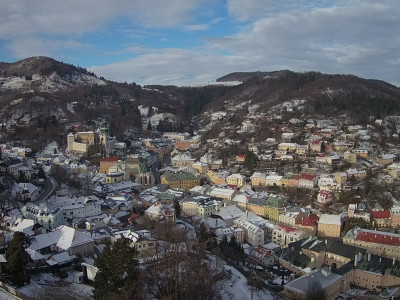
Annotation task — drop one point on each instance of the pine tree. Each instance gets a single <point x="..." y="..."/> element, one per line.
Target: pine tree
<point x="177" y="208"/>
<point x="17" y="258"/>
<point x="41" y="173"/>
<point x="117" y="272"/>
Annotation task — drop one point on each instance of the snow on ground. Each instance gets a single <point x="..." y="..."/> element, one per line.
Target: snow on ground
<point x="7" y="296"/>
<point x="236" y="288"/>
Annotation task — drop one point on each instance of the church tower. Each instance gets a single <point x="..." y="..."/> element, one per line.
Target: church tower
<point x="105" y="136"/>
<point x="70" y="142"/>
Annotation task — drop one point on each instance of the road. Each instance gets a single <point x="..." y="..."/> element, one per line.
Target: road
<point x="49" y="189"/>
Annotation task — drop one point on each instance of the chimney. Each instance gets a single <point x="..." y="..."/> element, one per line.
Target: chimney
<point x="369" y="256"/>
<point x="394" y="261"/>
<point x="380" y="259"/>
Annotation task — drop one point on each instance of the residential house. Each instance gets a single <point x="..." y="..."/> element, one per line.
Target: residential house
<point x="258" y="179"/>
<point x="330" y="225"/>
<point x="341" y="177"/>
<point x="394" y="170"/>
<point x="61" y="239"/>
<point x="274" y="207"/>
<point x="43" y="214"/>
<point x="292" y="218"/>
<point x="273" y="180"/>
<point x="350" y="157"/>
<point x="262" y="256"/>
<point x="236" y="180"/>
<point x="302" y="149"/>
<point x="395" y="213"/>
<point x="307" y="181"/>
<point x="284" y="235"/>
<point x="381" y="218"/>
<point x="161" y="212"/>
<point x="182" y="160"/>
<point x="324" y="197"/>
<point x="229" y="213"/>
<point x="290" y="147"/>
<point x="253" y="234"/>
<point x="386" y="159"/>
<point x="309" y="224"/>
<point x="106" y="163"/>
<point x="330" y="283"/>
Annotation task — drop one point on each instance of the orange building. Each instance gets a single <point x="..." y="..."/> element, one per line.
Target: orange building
<point x="107" y="163"/>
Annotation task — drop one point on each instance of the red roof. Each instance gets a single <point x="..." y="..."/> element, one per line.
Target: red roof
<point x="307" y="177"/>
<point x="311" y="220"/>
<point x="109" y="159"/>
<point x="379" y="238"/>
<point x="384" y="214"/>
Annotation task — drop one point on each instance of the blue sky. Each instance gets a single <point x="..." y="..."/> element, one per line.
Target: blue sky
<point x="196" y="41"/>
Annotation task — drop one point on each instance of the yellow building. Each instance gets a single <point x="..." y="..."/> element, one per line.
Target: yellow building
<point x="236" y="180"/>
<point x="258" y="179"/>
<point x="329" y="225"/>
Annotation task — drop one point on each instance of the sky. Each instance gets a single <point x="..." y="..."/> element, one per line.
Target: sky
<point x="186" y="42"/>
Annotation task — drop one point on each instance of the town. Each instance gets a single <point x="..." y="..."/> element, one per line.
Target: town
<point x="310" y="208"/>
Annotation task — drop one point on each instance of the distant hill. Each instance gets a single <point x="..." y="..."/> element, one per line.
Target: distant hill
<point x="243" y="76"/>
<point x="40" y="91"/>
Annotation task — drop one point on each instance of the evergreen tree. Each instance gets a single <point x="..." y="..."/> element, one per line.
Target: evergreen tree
<point x="117" y="272"/>
<point x="17" y="258"/>
<point x="177" y="208"/>
<point x="21" y="177"/>
<point x="41" y="173"/>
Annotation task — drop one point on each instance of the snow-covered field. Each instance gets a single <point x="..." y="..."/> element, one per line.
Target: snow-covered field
<point x="236" y="288"/>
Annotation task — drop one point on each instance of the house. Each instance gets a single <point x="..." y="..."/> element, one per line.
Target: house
<point x="341" y="177"/>
<point x="324" y="197"/>
<point x="309" y="224"/>
<point x="63" y="238"/>
<point x="283" y="235"/>
<point x="329" y="225"/>
<point x="273" y="180"/>
<point x="229" y="213"/>
<point x="236" y="180"/>
<point x="253" y="234"/>
<point x="394" y="170"/>
<point x="258" y="179"/>
<point x="106" y="163"/>
<point x="291" y="218"/>
<point x="395" y="213"/>
<point x="24" y="191"/>
<point x="161" y="212"/>
<point x="307" y="181"/>
<point x="386" y="159"/>
<point x="262" y="256"/>
<point x="350" y="157"/>
<point x="329" y="282"/>
<point x="182" y="160"/>
<point x="240" y="158"/>
<point x="381" y="218"/>
<point x="44" y="214"/>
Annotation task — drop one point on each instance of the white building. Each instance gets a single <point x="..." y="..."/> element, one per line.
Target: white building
<point x="253" y="234"/>
<point x="284" y="235"/>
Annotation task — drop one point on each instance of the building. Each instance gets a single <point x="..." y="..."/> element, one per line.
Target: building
<point x="330" y="225"/>
<point x="379" y="243"/>
<point x="273" y="180"/>
<point x="395" y="213"/>
<point x="106" y="163"/>
<point x="329" y="282"/>
<point x="63" y="238"/>
<point x="308" y="181"/>
<point x="80" y="141"/>
<point x="350" y="157"/>
<point x="324" y="197"/>
<point x="236" y="180"/>
<point x="180" y="180"/>
<point x="43" y="214"/>
<point x="161" y="212"/>
<point x="381" y="218"/>
<point x="253" y="234"/>
<point x="284" y="235"/>
<point x="258" y="179"/>
<point x="182" y="160"/>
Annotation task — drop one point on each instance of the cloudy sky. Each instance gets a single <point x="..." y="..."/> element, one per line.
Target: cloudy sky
<point x="196" y="41"/>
